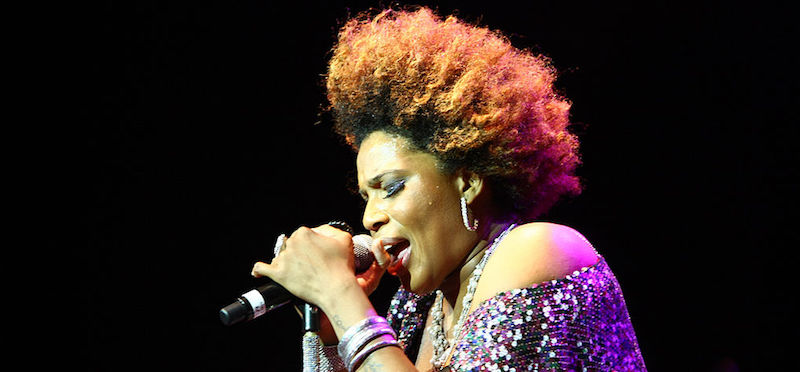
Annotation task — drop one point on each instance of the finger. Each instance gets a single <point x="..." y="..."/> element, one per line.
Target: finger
<point x="333" y="233"/>
<point x="381" y="256"/>
<point x="369" y="280"/>
<point x="372" y="273"/>
<point x="327" y="230"/>
<point x="261" y="269"/>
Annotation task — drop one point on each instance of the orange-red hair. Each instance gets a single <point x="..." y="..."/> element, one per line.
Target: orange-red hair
<point x="462" y="93"/>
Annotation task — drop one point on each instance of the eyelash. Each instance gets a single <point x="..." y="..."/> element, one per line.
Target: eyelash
<point x="394" y="187"/>
<point x="391" y="189"/>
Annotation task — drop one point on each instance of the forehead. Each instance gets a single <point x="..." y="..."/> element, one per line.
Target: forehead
<point x="381" y="152"/>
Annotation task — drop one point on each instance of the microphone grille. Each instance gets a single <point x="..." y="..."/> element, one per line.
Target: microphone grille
<point x="363" y="256"/>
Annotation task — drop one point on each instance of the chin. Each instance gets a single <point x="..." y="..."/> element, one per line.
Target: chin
<point x="414" y="283"/>
<point x="408" y="283"/>
<point x="417" y="288"/>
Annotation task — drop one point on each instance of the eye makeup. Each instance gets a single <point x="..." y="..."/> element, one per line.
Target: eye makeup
<point x="394" y="187"/>
<point x="381" y="181"/>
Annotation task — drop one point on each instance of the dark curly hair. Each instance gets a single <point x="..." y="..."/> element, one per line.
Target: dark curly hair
<point x="462" y="93"/>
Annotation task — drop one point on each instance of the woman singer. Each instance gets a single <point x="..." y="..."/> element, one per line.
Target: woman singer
<point x="461" y="144"/>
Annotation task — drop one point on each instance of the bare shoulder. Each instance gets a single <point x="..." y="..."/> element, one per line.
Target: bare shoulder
<point x="559" y="248"/>
<point x="533" y="253"/>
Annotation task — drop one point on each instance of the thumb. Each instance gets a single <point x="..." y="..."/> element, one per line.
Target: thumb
<point x="381" y="256"/>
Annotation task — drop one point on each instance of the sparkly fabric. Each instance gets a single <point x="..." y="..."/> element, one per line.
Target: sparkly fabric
<point x="577" y="323"/>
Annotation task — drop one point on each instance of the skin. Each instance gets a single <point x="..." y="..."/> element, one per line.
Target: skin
<point x="409" y="198"/>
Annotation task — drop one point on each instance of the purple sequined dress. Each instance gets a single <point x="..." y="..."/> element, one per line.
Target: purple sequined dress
<point x="577" y="323"/>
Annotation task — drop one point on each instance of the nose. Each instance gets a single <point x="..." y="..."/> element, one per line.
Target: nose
<point x="374" y="216"/>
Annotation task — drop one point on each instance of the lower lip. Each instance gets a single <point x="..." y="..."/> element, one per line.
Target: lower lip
<point x="401" y="259"/>
<point x="404" y="255"/>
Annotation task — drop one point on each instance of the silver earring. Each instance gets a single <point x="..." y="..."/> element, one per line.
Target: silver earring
<point x="465" y="218"/>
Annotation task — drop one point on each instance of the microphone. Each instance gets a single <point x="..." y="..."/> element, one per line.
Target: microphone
<point x="271" y="296"/>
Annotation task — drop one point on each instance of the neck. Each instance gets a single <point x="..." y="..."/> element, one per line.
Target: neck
<point x="454" y="286"/>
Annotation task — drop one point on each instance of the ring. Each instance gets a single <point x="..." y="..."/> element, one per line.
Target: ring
<point x="279" y="244"/>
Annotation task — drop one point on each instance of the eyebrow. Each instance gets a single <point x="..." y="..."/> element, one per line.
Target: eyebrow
<point x="375" y="180"/>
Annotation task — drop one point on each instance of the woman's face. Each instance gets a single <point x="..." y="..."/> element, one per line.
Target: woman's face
<point x="413" y="207"/>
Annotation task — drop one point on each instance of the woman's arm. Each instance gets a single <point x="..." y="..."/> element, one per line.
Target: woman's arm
<point x="353" y="306"/>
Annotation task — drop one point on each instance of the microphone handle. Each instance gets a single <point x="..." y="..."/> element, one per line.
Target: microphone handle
<point x="310" y="318"/>
<point x="252" y="304"/>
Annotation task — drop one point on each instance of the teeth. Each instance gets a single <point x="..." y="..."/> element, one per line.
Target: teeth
<point x="390" y="248"/>
<point x="395" y="246"/>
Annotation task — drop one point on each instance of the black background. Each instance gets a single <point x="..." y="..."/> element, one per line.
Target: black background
<point x="204" y="148"/>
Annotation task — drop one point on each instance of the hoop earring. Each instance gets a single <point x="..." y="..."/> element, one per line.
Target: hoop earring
<point x="464" y="217"/>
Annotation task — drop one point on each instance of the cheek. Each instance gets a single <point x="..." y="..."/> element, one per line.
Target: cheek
<point x="403" y="211"/>
<point x="433" y="199"/>
<point x="430" y="225"/>
<point x="430" y="199"/>
<point x="415" y="208"/>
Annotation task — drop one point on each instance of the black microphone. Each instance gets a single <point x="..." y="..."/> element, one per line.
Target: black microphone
<point x="272" y="295"/>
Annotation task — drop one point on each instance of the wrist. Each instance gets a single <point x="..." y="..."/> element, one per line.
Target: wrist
<point x="346" y="305"/>
<point x="337" y="290"/>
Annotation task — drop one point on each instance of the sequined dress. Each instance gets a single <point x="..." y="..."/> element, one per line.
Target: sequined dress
<point x="577" y="323"/>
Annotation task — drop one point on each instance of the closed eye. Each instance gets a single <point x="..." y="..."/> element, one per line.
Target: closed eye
<point x="394" y="187"/>
<point x="380" y="182"/>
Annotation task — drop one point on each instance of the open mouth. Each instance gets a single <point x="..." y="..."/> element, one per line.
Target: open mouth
<point x="399" y="251"/>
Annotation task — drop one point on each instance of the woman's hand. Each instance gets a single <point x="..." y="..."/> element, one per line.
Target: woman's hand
<point x="312" y="260"/>
<point x="312" y="263"/>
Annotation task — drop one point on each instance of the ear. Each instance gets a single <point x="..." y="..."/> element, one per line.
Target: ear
<point x="470" y="185"/>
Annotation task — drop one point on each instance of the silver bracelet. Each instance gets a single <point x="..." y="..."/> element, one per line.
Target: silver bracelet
<point x="385" y="340"/>
<point x="361" y="334"/>
<point x="354" y="330"/>
<point x="363" y="338"/>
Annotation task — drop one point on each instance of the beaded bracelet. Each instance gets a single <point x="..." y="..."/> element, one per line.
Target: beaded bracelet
<point x="385" y="340"/>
